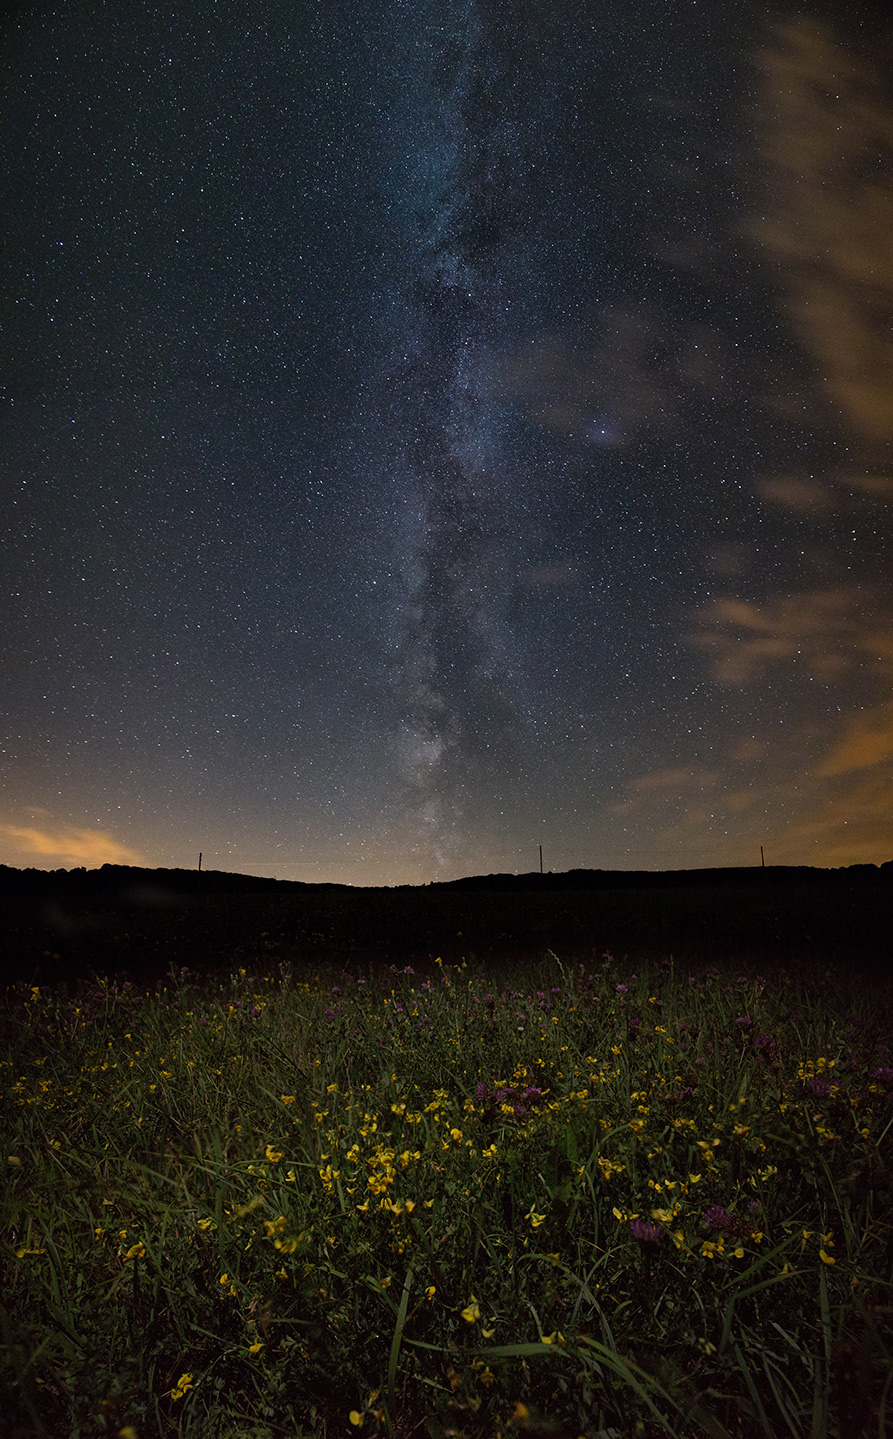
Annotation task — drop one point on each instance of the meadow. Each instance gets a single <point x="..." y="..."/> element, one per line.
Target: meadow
<point x="578" y="1197"/>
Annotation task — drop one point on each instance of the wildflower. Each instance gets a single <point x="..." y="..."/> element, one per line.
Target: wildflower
<point x="472" y="1312"/>
<point x="184" y="1384"/>
<point x="644" y="1231"/>
<point x="535" y="1219"/>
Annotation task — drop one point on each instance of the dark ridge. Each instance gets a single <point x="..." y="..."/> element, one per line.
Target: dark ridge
<point x="121" y="919"/>
<point x="777" y="874"/>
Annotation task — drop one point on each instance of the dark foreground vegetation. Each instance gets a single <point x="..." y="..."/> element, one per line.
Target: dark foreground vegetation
<point x="528" y="1191"/>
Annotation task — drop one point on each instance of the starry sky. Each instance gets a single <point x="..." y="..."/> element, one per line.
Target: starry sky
<point x="433" y="429"/>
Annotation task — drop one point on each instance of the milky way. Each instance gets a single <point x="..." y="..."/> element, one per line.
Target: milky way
<point x="437" y="430"/>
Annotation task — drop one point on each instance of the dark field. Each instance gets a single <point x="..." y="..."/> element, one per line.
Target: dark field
<point x="139" y="922"/>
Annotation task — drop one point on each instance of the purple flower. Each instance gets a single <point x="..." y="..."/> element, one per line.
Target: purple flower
<point x="621" y="988"/>
<point x="718" y="1218"/>
<point x="744" y="1020"/>
<point x="645" y="1231"/>
<point x="409" y="969"/>
<point x="884" y="1072"/>
<point x="820" y="1086"/>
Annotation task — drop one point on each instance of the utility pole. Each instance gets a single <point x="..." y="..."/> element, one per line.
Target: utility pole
<point x="762" y="860"/>
<point x="199" y="861"/>
<point x="541" y="859"/>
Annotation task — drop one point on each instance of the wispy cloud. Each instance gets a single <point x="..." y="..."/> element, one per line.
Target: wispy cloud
<point x="851" y="823"/>
<point x="628" y="374"/>
<point x="71" y="845"/>
<point x="678" y="780"/>
<point x="867" y="741"/>
<point x="807" y="495"/>
<point x="819" y="630"/>
<point x="828" y="217"/>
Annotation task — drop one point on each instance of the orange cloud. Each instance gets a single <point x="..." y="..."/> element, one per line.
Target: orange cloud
<point x="672" y="779"/>
<point x="868" y="741"/>
<point x="798" y="492"/>
<point x="806" y="495"/>
<point x="819" y="629"/>
<point x="828" y="215"/>
<point x="77" y="846"/>
<point x="852" y="827"/>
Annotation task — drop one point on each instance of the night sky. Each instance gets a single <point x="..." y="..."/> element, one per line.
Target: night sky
<point x="435" y="430"/>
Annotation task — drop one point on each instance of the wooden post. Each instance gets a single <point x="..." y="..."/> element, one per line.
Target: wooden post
<point x="199" y="860"/>
<point x="762" y="860"/>
<point x="541" y="859"/>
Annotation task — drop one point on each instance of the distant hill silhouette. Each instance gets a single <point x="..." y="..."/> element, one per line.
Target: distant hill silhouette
<point x="121" y="918"/>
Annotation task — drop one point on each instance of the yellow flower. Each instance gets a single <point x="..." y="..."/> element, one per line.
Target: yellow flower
<point x="356" y="1418"/>
<point x="184" y="1383"/>
<point x="274" y="1155"/>
<point x="535" y="1219"/>
<point x="431" y="1291"/>
<point x="472" y="1313"/>
<point x="826" y="1258"/>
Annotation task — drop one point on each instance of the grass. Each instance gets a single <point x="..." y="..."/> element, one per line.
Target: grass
<point x="573" y="1199"/>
